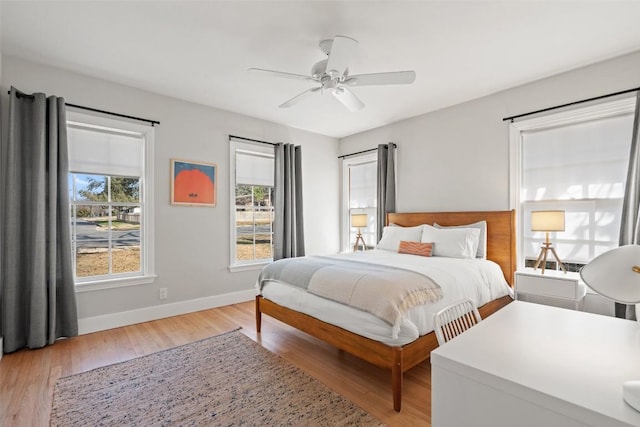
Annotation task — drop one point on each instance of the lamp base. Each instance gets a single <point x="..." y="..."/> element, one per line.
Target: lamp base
<point x="542" y="258"/>
<point x="359" y="239"/>
<point x="631" y="393"/>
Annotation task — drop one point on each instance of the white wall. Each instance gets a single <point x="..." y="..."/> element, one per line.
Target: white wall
<point x="458" y="158"/>
<point x="192" y="244"/>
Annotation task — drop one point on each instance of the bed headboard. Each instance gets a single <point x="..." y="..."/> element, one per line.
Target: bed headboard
<point x="501" y="232"/>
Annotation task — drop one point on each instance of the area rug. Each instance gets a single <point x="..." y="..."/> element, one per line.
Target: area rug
<point x="226" y="380"/>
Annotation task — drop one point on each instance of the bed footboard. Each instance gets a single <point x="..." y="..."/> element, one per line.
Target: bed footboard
<point x="395" y="358"/>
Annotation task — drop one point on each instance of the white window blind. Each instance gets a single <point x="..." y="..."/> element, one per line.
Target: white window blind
<point x="254" y="169"/>
<point x="363" y="181"/>
<point x="254" y="164"/>
<point x="580" y="168"/>
<point x="102" y="151"/>
<point x="584" y="160"/>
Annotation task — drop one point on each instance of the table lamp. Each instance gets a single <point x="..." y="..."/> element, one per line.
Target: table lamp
<point x="547" y="221"/>
<point x="359" y="220"/>
<point x="615" y="275"/>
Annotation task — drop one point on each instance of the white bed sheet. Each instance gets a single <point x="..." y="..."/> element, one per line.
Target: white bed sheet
<point x="477" y="279"/>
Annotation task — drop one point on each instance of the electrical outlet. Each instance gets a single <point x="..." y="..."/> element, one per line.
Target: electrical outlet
<point x="162" y="293"/>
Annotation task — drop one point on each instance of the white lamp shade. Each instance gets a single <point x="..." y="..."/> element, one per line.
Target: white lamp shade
<point x="359" y="220"/>
<point x="615" y="274"/>
<point x="547" y="221"/>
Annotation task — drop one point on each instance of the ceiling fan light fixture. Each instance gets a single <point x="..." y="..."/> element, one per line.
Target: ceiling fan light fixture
<point x="348" y="99"/>
<point x="318" y="69"/>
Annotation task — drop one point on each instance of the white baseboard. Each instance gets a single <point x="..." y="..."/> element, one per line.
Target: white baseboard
<point x="124" y="318"/>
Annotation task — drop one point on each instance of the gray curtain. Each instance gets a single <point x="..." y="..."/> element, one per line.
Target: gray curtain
<point x="38" y="294"/>
<point x="629" y="226"/>
<point x="288" y="230"/>
<point x="386" y="188"/>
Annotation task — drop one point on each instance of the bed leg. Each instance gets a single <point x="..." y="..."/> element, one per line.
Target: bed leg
<point x="396" y="378"/>
<point x="258" y="314"/>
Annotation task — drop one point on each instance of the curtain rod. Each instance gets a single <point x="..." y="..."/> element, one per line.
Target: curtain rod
<point x="364" y="151"/>
<point x="153" y="122"/>
<point x="252" y="140"/>
<point x="622" y="92"/>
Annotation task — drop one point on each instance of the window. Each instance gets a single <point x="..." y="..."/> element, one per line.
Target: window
<point x="110" y="192"/>
<point x="252" y="176"/>
<point x="574" y="161"/>
<point x="360" y="182"/>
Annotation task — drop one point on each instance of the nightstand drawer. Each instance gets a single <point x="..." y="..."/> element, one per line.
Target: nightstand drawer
<point x="549" y="286"/>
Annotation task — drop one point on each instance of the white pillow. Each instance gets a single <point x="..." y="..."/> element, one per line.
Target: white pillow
<point x="452" y="242"/>
<point x="392" y="235"/>
<point x="482" y="240"/>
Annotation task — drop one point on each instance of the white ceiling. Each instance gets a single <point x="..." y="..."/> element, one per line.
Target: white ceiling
<point x="200" y="50"/>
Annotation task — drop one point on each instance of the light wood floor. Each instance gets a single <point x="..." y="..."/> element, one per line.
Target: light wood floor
<point x="27" y="377"/>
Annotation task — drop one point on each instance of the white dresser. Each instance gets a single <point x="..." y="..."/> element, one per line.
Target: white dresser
<point x="532" y="365"/>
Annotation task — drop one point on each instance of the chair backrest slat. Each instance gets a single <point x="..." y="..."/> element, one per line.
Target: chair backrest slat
<point x="454" y="319"/>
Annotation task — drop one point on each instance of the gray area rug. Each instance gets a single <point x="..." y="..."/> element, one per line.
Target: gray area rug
<point x="226" y="380"/>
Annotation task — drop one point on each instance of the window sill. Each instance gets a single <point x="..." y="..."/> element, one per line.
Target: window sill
<point x="114" y="283"/>
<point x="248" y="267"/>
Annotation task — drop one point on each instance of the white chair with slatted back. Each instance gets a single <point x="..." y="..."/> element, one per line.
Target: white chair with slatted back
<point x="454" y="319"/>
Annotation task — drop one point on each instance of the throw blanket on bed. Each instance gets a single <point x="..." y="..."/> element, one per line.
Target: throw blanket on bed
<point x="385" y="292"/>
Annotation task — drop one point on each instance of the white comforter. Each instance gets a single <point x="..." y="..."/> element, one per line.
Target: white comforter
<point x="479" y="280"/>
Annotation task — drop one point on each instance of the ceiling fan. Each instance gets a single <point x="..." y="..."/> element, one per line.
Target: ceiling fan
<point x="333" y="75"/>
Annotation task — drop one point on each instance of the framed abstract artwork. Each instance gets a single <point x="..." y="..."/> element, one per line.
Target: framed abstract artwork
<point x="193" y="183"/>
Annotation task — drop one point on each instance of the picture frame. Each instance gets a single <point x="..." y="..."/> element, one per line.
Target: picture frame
<point x="193" y="183"/>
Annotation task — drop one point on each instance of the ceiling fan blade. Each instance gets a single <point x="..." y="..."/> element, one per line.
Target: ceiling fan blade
<point x="341" y="52"/>
<point x="281" y="74"/>
<point x="392" y="78"/>
<point x="299" y="97"/>
<point x="348" y="98"/>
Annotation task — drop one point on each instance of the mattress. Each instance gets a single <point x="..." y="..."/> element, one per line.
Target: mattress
<point x="479" y="280"/>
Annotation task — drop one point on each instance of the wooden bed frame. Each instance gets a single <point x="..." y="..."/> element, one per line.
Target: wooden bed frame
<point x="500" y="249"/>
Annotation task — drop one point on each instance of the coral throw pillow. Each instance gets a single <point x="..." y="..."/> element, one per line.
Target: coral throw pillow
<point x="415" y="248"/>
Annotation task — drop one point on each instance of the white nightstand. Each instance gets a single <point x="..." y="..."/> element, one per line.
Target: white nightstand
<point x="552" y="286"/>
